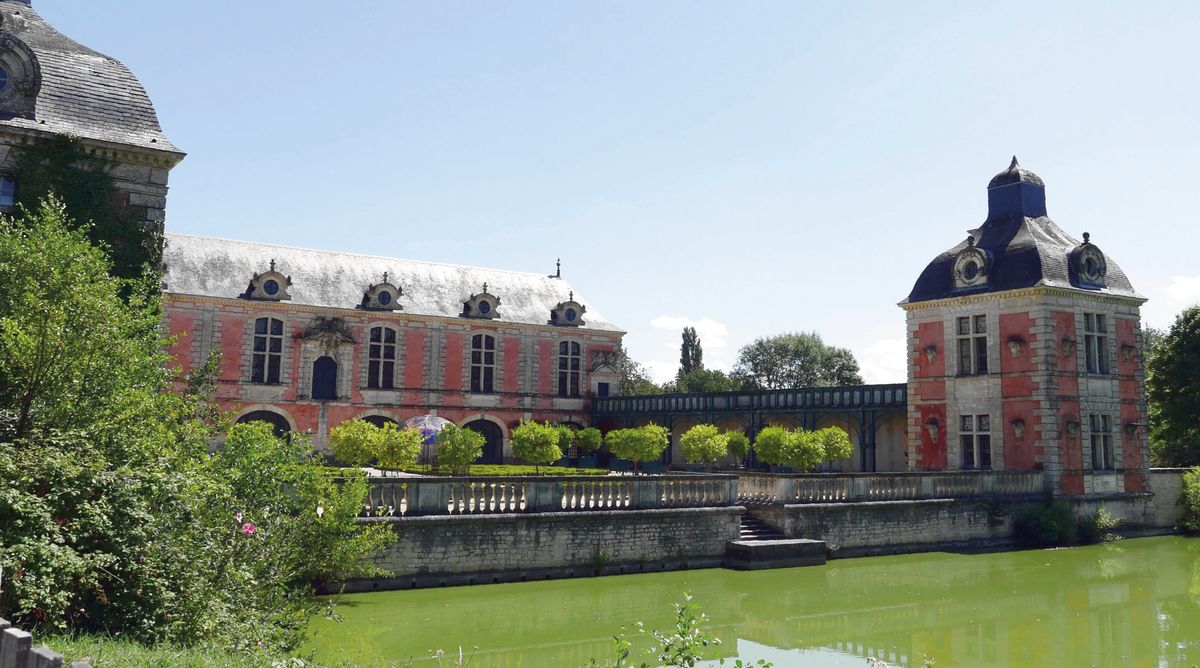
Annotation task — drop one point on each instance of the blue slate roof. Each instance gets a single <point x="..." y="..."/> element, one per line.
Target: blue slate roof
<point x="1025" y="247"/>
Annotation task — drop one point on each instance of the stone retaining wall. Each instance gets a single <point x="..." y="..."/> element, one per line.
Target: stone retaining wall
<point x="450" y="550"/>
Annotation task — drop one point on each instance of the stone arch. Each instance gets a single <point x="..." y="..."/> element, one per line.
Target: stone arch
<point x="495" y="439"/>
<point x="891" y="434"/>
<point x="379" y="420"/>
<point x="276" y="417"/>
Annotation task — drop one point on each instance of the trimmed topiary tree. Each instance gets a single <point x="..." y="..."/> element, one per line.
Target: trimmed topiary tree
<point x="737" y="444"/>
<point x="703" y="444"/>
<point x="397" y="448"/>
<point x="589" y="440"/>
<point x="538" y="443"/>
<point x="353" y="442"/>
<point x="771" y="445"/>
<point x="805" y="451"/>
<point x="835" y="442"/>
<point x="458" y="446"/>
<point x="639" y="444"/>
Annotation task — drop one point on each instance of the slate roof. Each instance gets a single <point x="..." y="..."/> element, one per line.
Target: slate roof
<point x="83" y="93"/>
<point x="1025" y="251"/>
<point x="211" y="267"/>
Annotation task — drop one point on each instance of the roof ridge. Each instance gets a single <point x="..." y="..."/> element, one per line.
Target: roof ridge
<point x="168" y="235"/>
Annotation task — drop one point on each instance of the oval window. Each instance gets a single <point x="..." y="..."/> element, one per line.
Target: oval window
<point x="970" y="270"/>
<point x="1089" y="267"/>
<point x="271" y="287"/>
<point x="570" y="315"/>
<point x="484" y="307"/>
<point x="384" y="297"/>
<point x="3" y="79"/>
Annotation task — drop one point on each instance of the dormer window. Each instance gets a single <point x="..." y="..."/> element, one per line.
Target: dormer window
<point x="382" y="296"/>
<point x="568" y="313"/>
<point x="270" y="285"/>
<point x="971" y="266"/>
<point x="483" y="305"/>
<point x="20" y="77"/>
<point x="1089" y="264"/>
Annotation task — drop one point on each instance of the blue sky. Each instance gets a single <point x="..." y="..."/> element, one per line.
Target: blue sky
<point x="751" y="168"/>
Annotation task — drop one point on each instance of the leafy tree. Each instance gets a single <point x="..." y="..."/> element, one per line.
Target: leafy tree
<point x="691" y="355"/>
<point x="1191" y="501"/>
<point x="706" y="380"/>
<point x="835" y="443"/>
<point x="397" y="448"/>
<point x="796" y="360"/>
<point x="458" y="446"/>
<point x="62" y="167"/>
<point x="738" y="444"/>
<point x="589" y="440"/>
<point x="566" y="438"/>
<point x="703" y="443"/>
<point x="638" y="444"/>
<point x="354" y="442"/>
<point x="538" y="442"/>
<point x="1173" y="390"/>
<point x="771" y="445"/>
<point x="635" y="380"/>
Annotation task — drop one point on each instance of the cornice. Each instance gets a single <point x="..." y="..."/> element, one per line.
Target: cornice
<point x="1036" y="291"/>
<point x="122" y="153"/>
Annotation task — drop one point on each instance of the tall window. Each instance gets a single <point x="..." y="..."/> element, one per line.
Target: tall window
<point x="8" y="187"/>
<point x="568" y="369"/>
<point x="268" y="351"/>
<point x="381" y="359"/>
<point x="976" y="441"/>
<point x="1102" y="447"/>
<point x="1095" y="342"/>
<point x="972" y="346"/>
<point x="483" y="363"/>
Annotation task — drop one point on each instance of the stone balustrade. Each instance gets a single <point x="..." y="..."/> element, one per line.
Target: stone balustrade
<point x="419" y="496"/>
<point x="17" y="651"/>
<point x="782" y="489"/>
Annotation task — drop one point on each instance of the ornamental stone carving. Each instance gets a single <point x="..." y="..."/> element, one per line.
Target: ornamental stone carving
<point x="971" y="266"/>
<point x="20" y="76"/>
<point x="382" y="296"/>
<point x="568" y="313"/>
<point x="1088" y="264"/>
<point x="271" y="285"/>
<point x="484" y="305"/>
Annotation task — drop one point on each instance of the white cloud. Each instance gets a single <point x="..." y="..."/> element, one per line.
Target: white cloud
<point x="1167" y="301"/>
<point x="714" y="339"/>
<point x="713" y="335"/>
<point x="884" y="361"/>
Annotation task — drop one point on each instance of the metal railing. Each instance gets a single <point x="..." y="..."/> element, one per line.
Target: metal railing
<point x="782" y="488"/>
<point x="417" y="496"/>
<point x="827" y="398"/>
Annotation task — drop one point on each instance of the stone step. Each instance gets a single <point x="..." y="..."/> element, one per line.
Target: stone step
<point x="752" y="555"/>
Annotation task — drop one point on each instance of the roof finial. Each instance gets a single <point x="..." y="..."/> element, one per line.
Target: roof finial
<point x="1015" y="165"/>
<point x="971" y="240"/>
<point x="558" y="268"/>
<point x="485" y="286"/>
<point x="571" y="296"/>
<point x="1087" y="238"/>
<point x="385" y="277"/>
<point x="272" y="264"/>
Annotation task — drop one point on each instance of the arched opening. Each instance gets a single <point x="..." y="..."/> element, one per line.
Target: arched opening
<point x="493" y="448"/>
<point x="278" y="423"/>
<point x="324" y="378"/>
<point x="380" y="420"/>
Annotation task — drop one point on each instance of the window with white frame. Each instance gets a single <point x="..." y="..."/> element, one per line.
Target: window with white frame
<point x="1102" y="444"/>
<point x="381" y="359"/>
<point x="568" y="369"/>
<point x="483" y="363"/>
<point x="972" y="345"/>
<point x="976" y="440"/>
<point x="267" y="352"/>
<point x="1095" y="342"/>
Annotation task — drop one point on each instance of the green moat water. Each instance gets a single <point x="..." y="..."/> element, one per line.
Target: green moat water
<point x="1132" y="603"/>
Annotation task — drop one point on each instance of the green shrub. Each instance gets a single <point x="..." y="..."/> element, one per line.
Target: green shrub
<point x="589" y="440"/>
<point x="353" y="442"/>
<point x="1046" y="526"/>
<point x="799" y="449"/>
<point x="703" y="443"/>
<point x="397" y="448"/>
<point x="638" y="444"/>
<point x="1191" y="501"/>
<point x="771" y="445"/>
<point x="738" y="444"/>
<point x="835" y="443"/>
<point x="458" y="446"/>
<point x="538" y="442"/>
<point x="1100" y="526"/>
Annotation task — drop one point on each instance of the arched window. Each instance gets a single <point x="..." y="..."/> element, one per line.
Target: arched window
<point x="483" y="363"/>
<point x="279" y="424"/>
<point x="268" y="351"/>
<point x="568" y="369"/>
<point x="381" y="359"/>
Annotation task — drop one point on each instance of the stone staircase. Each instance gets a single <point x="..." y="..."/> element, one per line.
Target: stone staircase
<point x="760" y="546"/>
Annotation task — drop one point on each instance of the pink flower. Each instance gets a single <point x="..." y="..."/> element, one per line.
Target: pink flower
<point x="248" y="528"/>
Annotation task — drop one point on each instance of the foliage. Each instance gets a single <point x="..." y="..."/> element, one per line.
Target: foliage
<point x="704" y="380"/>
<point x="396" y="448"/>
<point x="537" y="442"/>
<point x="638" y="444"/>
<point x="486" y="470"/>
<point x="1100" y="526"/>
<point x="353" y="442"/>
<point x="566" y="438"/>
<point x="738" y="444"/>
<point x="1046" y="526"/>
<point x="835" y="443"/>
<point x="771" y="445"/>
<point x="1173" y="392"/>
<point x="114" y="517"/>
<point x="704" y="443"/>
<point x="799" y="449"/>
<point x="62" y="167"/>
<point x="589" y="440"/>
<point x="796" y="360"/>
<point x="635" y="380"/>
<point x="101" y="650"/>
<point x="1191" y="501"/>
<point x="458" y="446"/>
<point x="691" y="355"/>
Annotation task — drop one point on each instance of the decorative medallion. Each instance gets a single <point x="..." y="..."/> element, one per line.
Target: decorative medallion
<point x="269" y="286"/>
<point x="484" y="305"/>
<point x="568" y="313"/>
<point x="21" y="76"/>
<point x="1088" y="264"/>
<point x="971" y="266"/>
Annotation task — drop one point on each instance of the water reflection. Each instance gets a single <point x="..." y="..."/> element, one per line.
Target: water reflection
<point x="1135" y="603"/>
